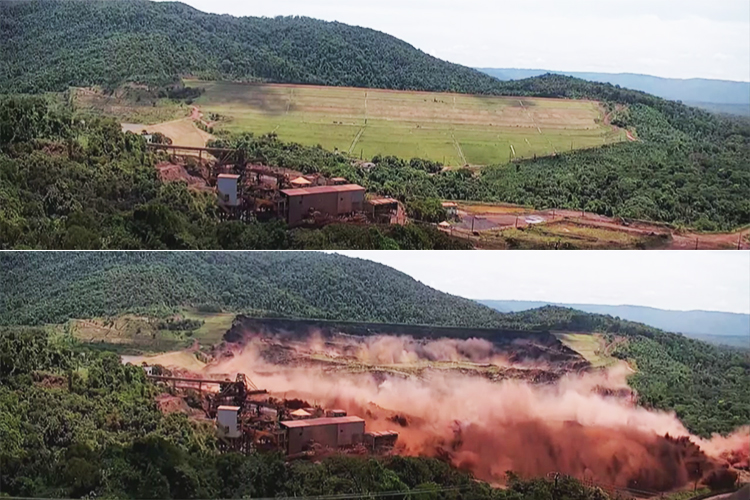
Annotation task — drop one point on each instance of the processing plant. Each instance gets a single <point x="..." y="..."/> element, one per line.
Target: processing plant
<point x="249" y="420"/>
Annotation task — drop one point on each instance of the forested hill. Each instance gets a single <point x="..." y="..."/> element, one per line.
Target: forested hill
<point x="52" y="287"/>
<point x="49" y="45"/>
<point x="47" y="287"/>
<point x="708" y="387"/>
<point x="687" y="167"/>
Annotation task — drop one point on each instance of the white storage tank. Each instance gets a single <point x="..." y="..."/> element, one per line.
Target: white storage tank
<point x="226" y="185"/>
<point x="226" y="421"/>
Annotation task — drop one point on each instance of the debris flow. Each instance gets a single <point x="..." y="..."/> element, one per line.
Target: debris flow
<point x="583" y="424"/>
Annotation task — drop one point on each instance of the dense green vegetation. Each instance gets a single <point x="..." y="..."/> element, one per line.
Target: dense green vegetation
<point x="689" y="167"/>
<point x="74" y="182"/>
<point x="77" y="423"/>
<point x="707" y="386"/>
<point x="42" y="287"/>
<point x="53" y="44"/>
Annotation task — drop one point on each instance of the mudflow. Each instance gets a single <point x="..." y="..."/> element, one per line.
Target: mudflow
<point x="490" y="409"/>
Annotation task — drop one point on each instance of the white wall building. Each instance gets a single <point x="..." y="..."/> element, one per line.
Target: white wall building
<point x="226" y="185"/>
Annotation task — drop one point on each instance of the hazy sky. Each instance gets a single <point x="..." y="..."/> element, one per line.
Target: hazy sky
<point x="669" y="38"/>
<point x="711" y="281"/>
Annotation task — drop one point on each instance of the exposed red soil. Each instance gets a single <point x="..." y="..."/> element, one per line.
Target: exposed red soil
<point x="681" y="240"/>
<point x="171" y="404"/>
<point x="169" y="172"/>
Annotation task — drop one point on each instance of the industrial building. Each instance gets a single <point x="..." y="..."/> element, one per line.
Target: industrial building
<point x="250" y="191"/>
<point x="226" y="421"/>
<point x="248" y="420"/>
<point x="226" y="185"/>
<point x="377" y="441"/>
<point x="332" y="201"/>
<point x="331" y="432"/>
<point x="382" y="210"/>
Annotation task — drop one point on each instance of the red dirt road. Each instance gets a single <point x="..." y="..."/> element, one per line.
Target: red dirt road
<point x="489" y="217"/>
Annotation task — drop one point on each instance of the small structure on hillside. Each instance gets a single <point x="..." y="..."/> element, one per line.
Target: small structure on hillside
<point x="382" y="209"/>
<point x="226" y="185"/>
<point x="451" y="208"/>
<point x="335" y="413"/>
<point x="226" y="421"/>
<point x="333" y="201"/>
<point x="300" y="182"/>
<point x="380" y="441"/>
<point x="300" y="414"/>
<point x="329" y="432"/>
<point x="338" y="181"/>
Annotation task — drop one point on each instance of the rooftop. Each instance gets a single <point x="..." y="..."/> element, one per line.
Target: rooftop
<point x="321" y="421"/>
<point x="322" y="190"/>
<point x="449" y="204"/>
<point x="300" y="413"/>
<point x="301" y="180"/>
<point x="229" y="408"/>
<point x="227" y="176"/>
<point x="382" y="201"/>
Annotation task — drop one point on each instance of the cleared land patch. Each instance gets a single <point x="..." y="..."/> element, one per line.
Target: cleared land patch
<point x="183" y="132"/>
<point x="439" y="126"/>
<point x="124" y="106"/>
<point x="593" y="348"/>
<point x="502" y="225"/>
<point x="133" y="333"/>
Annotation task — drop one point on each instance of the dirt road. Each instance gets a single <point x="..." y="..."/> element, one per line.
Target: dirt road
<point x="483" y="217"/>
<point x="183" y="132"/>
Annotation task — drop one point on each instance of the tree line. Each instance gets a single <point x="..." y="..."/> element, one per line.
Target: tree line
<point x="44" y="287"/>
<point x="55" y="44"/>
<point x="707" y="386"/>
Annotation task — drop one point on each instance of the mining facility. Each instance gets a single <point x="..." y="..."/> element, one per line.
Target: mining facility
<point x="249" y="420"/>
<point x="248" y="190"/>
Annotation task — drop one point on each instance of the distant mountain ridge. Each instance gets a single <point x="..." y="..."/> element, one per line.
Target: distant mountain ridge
<point x="692" y="323"/>
<point x="50" y="45"/>
<point x="714" y="95"/>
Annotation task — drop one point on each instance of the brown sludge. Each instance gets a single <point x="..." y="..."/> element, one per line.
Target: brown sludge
<point x="584" y="424"/>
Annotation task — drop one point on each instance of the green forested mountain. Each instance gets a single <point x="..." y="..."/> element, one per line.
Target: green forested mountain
<point x="52" y="44"/>
<point x="708" y="386"/>
<point x="713" y="323"/>
<point x="52" y="287"/>
<point x="693" y="90"/>
<point x="688" y="167"/>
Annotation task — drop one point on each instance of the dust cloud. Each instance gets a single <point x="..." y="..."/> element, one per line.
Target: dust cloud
<point x="385" y="349"/>
<point x="571" y="426"/>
